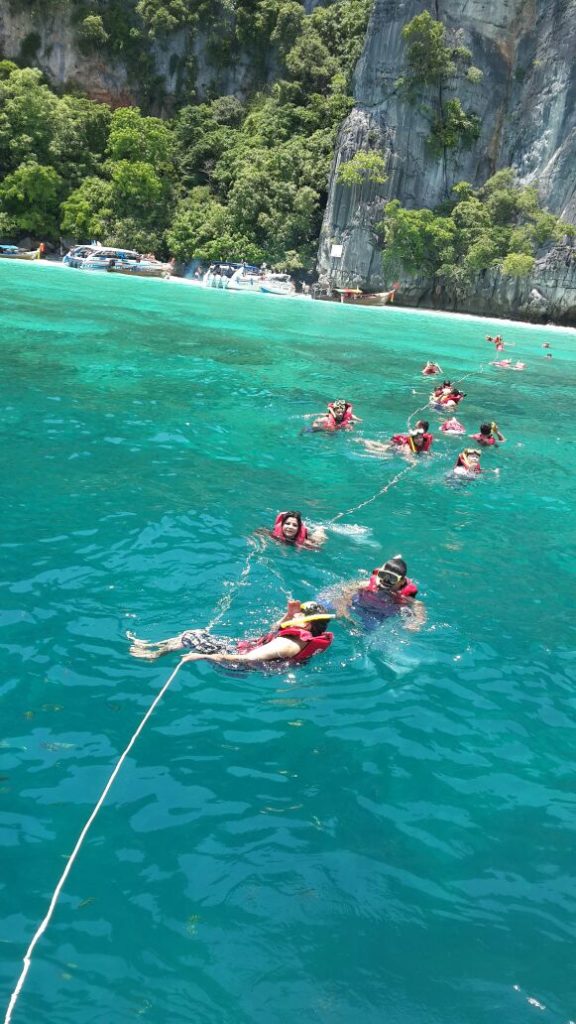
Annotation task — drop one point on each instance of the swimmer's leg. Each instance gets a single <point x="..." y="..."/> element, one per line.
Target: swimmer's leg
<point x="377" y="447"/>
<point x="149" y="651"/>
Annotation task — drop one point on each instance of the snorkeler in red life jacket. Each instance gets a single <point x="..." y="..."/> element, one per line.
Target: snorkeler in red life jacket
<point x="289" y="529"/>
<point x="443" y="389"/>
<point x="417" y="441"/>
<point x="387" y="593"/>
<point x="452" y="399"/>
<point x="340" y="416"/>
<point x="430" y="368"/>
<point x="468" y="463"/>
<point x="487" y="435"/>
<point x="452" y="426"/>
<point x="297" y="637"/>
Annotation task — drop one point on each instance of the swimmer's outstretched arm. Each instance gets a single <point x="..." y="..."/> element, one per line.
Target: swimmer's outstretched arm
<point x="316" y="538"/>
<point x="282" y="648"/>
<point x="416" y="617"/>
<point x="341" y="597"/>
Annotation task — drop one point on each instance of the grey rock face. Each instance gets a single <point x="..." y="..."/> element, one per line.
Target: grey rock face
<point x="547" y="296"/>
<point x="526" y="104"/>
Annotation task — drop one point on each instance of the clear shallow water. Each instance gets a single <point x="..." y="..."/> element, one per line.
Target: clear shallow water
<point x="387" y="834"/>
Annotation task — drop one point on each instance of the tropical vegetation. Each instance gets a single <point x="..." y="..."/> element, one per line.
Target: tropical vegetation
<point x="220" y="178"/>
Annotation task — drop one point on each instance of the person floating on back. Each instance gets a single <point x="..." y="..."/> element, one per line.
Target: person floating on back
<point x="416" y="442"/>
<point x="298" y="636"/>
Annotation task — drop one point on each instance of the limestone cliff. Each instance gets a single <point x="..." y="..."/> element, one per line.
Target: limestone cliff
<point x="525" y="49"/>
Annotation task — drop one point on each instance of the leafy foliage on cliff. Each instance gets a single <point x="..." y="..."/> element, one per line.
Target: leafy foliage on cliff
<point x="501" y="225"/>
<point x="433" y="64"/>
<point x="223" y="178"/>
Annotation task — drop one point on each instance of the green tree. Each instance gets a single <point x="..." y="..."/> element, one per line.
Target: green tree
<point x="500" y="224"/>
<point x="431" y="63"/>
<point x="363" y="167"/>
<point x="136" y="138"/>
<point x="87" y="213"/>
<point x="30" y="197"/>
<point x="518" y="264"/>
<point x="92" y="35"/>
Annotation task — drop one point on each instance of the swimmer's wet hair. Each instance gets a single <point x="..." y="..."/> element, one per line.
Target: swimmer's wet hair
<point x="396" y="564"/>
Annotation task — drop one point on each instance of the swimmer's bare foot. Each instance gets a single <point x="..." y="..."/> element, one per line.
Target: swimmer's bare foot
<point x="144" y="653"/>
<point x="149" y="651"/>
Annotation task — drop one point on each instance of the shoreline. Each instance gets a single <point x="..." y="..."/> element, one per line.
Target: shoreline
<point x="392" y="307"/>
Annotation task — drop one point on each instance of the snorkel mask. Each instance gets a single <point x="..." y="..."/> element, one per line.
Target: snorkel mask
<point x="312" y="612"/>
<point x="388" y="578"/>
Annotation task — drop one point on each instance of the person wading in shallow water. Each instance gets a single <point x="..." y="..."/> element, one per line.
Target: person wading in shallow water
<point x="298" y="636"/>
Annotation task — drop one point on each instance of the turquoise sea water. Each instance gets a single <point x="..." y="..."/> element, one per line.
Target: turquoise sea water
<point x="386" y="834"/>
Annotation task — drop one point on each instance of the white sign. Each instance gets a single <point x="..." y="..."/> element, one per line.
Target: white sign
<point x="336" y="252"/>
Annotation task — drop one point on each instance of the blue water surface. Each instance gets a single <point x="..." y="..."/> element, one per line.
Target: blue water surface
<point x="385" y="834"/>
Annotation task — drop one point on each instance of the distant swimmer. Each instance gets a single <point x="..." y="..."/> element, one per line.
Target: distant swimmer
<point x="289" y="528"/>
<point x="447" y="399"/>
<point x="338" y="416"/>
<point x="507" y="364"/>
<point x="498" y="342"/>
<point x="452" y="426"/>
<point x="468" y="464"/>
<point x="298" y="636"/>
<point x="415" y="442"/>
<point x="488" y="435"/>
<point x="388" y="592"/>
<point x="429" y="369"/>
<point x="442" y="389"/>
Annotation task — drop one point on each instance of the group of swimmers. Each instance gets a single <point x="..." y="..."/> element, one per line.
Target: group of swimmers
<point x="303" y="632"/>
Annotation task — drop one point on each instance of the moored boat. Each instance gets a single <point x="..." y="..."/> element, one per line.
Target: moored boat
<point x="355" y="296"/>
<point x="12" y="252"/>
<point x="116" y="261"/>
<point x="242" y="277"/>
<point x="277" y="284"/>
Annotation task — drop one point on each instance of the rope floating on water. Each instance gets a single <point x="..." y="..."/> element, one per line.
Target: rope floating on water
<point x="27" y="960"/>
<point x="226" y="600"/>
<point x="378" y="494"/>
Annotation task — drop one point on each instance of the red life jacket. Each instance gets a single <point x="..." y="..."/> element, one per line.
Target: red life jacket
<point x="406" y="439"/>
<point x="477" y="468"/>
<point x="313" y="644"/>
<point x="333" y="423"/>
<point x="482" y="439"/>
<point x="278" y="535"/>
<point x="372" y="596"/>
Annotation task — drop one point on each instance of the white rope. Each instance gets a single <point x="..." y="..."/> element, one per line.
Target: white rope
<point x="44" y="924"/>
<point x="378" y="494"/>
<point x="226" y="599"/>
